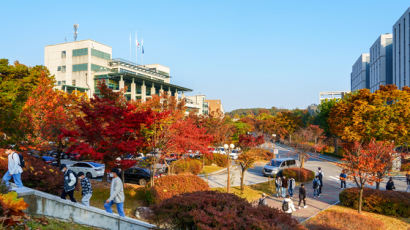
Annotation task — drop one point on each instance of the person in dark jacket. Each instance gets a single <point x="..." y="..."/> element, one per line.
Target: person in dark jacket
<point x="284" y="186"/>
<point x="302" y="196"/>
<point x="320" y="176"/>
<point x="343" y="177"/>
<point x="69" y="183"/>
<point x="390" y="184"/>
<point x="86" y="189"/>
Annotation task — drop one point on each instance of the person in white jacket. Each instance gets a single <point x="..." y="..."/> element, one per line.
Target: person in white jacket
<point x="288" y="206"/>
<point x="14" y="169"/>
<point x="116" y="193"/>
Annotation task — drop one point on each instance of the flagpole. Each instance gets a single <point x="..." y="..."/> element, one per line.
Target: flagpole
<point x="142" y="51"/>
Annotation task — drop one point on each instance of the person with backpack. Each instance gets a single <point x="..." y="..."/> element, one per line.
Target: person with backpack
<point x="321" y="175"/>
<point x="302" y="196"/>
<point x="343" y="177"/>
<point x="288" y="206"/>
<point x="86" y="189"/>
<point x="316" y="185"/>
<point x="70" y="182"/>
<point x="116" y="193"/>
<point x="15" y="168"/>
<point x="284" y="186"/>
<point x="262" y="200"/>
<point x="390" y="184"/>
<point x="291" y="186"/>
<point x="278" y="185"/>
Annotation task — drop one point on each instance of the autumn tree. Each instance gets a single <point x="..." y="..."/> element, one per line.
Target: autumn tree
<point x="362" y="163"/>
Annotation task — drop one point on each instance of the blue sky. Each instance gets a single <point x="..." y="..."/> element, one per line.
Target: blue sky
<point x="246" y="53"/>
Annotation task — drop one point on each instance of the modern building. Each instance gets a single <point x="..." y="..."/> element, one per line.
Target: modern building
<point x="401" y="51"/>
<point x="381" y="62"/>
<point x="215" y="108"/>
<point x="332" y="95"/>
<point x="360" y="73"/>
<point x="81" y="65"/>
<point x="197" y="103"/>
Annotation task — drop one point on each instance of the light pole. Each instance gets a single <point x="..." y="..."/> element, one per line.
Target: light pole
<point x="229" y="149"/>
<point x="273" y="144"/>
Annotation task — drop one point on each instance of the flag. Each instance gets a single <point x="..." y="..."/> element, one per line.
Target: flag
<point x="137" y="44"/>
<point x="142" y="46"/>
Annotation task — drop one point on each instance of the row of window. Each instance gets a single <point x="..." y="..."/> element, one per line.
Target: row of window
<point x="84" y="51"/>
<point x="61" y="68"/>
<point x="84" y="67"/>
<point x="100" y="54"/>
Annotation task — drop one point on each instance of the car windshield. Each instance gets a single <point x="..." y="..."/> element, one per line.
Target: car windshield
<point x="275" y="163"/>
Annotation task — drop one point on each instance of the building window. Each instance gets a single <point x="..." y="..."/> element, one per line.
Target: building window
<point x="58" y="68"/>
<point x="63" y="68"/>
<point x="73" y="81"/>
<point x="80" y="67"/>
<point x="97" y="68"/>
<point x="63" y="82"/>
<point x="100" y="54"/>
<point x="63" y="54"/>
<point x="59" y="83"/>
<point x="80" y="52"/>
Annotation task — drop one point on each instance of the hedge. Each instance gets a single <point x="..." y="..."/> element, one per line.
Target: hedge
<point x="172" y="185"/>
<point x="187" y="166"/>
<point x="220" y="159"/>
<point x="299" y="174"/>
<point x="215" y="210"/>
<point x="391" y="203"/>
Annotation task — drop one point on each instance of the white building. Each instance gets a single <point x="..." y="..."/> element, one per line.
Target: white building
<point x="332" y="95"/>
<point x="81" y="65"/>
<point x="360" y="73"/>
<point x="401" y="51"/>
<point x="381" y="62"/>
<point x="198" y="104"/>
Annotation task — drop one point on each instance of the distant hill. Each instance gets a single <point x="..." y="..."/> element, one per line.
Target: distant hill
<point x="255" y="111"/>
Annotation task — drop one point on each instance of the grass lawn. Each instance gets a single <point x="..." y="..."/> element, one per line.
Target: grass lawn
<point x="343" y="218"/>
<point x="101" y="192"/>
<point x="207" y="169"/>
<point x="251" y="192"/>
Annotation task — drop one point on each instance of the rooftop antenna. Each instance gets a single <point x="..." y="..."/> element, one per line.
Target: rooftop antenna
<point x="75" y="31"/>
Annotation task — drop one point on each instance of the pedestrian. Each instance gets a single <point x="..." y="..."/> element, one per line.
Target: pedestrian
<point x="284" y="186"/>
<point x="278" y="185"/>
<point x="116" y="193"/>
<point x="14" y="169"/>
<point x="343" y="177"/>
<point x="288" y="206"/>
<point x="291" y="186"/>
<point x="262" y="200"/>
<point x="408" y="181"/>
<point x="70" y="181"/>
<point x="320" y="174"/>
<point x="86" y="189"/>
<point x="390" y="184"/>
<point x="302" y="196"/>
<point x="316" y="185"/>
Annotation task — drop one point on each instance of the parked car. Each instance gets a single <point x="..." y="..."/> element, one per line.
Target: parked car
<point x="90" y="169"/>
<point x="275" y="166"/>
<point x="220" y="150"/>
<point x="48" y="159"/>
<point x="138" y="175"/>
<point x="234" y="154"/>
<point x="74" y="156"/>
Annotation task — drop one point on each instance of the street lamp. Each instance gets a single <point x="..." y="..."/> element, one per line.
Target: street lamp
<point x="273" y="145"/>
<point x="228" y="149"/>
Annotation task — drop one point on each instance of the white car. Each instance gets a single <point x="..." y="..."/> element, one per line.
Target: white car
<point x="234" y="154"/>
<point x="220" y="150"/>
<point x="90" y="169"/>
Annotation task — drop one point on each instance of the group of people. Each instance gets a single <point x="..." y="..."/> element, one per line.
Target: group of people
<point x="15" y="169"/>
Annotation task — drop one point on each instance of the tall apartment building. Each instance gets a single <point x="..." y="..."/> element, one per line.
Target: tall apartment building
<point x="359" y="78"/>
<point x="401" y="51"/>
<point x="381" y="62"/>
<point x="81" y="65"/>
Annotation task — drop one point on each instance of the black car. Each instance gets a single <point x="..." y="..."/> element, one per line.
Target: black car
<point x="137" y="175"/>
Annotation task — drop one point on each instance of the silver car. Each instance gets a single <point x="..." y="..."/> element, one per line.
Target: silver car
<point x="90" y="169"/>
<point x="276" y="165"/>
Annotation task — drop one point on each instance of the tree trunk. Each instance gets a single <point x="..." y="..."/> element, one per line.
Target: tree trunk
<point x="335" y="145"/>
<point x="378" y="185"/>
<point x="360" y="199"/>
<point x="242" y="178"/>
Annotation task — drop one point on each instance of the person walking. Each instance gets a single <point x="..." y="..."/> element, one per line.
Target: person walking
<point x="302" y="196"/>
<point x="116" y="193"/>
<point x="321" y="175"/>
<point x="278" y="185"/>
<point x="316" y="185"/>
<point x="343" y="177"/>
<point x="86" y="189"/>
<point x="288" y="206"/>
<point x="14" y="169"/>
<point x="390" y="184"/>
<point x="291" y="186"/>
<point x="70" y="181"/>
<point x="262" y="200"/>
<point x="284" y="186"/>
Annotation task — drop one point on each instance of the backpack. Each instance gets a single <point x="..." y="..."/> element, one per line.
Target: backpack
<point x="315" y="185"/>
<point x="261" y="201"/>
<point x="285" y="206"/>
<point x="22" y="162"/>
<point x="76" y="177"/>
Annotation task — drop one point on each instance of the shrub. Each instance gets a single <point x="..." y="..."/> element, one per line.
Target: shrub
<point x="391" y="203"/>
<point x="215" y="210"/>
<point x="207" y="159"/>
<point x="405" y="167"/>
<point x="300" y="174"/>
<point x="331" y="219"/>
<point x="263" y="153"/>
<point x="11" y="208"/>
<point x="187" y="166"/>
<point x="36" y="174"/>
<point x="172" y="185"/>
<point x="220" y="159"/>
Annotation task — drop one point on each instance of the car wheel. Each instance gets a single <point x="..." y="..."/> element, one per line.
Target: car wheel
<point x="142" y="182"/>
<point x="89" y="175"/>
